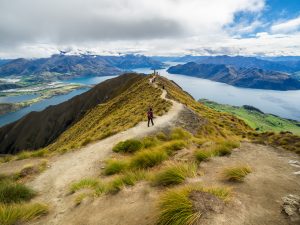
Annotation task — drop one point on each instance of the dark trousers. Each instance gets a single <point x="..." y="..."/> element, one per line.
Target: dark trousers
<point x="150" y="119"/>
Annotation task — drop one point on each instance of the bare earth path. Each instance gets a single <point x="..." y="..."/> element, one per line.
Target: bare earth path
<point x="257" y="201"/>
<point x="73" y="166"/>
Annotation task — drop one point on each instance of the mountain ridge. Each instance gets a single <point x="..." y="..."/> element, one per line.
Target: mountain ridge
<point x="68" y="66"/>
<point x="253" y="62"/>
<point x="240" y="77"/>
<point x="38" y="129"/>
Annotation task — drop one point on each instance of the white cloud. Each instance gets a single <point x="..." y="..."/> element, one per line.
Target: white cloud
<point x="289" y="26"/>
<point x="35" y="28"/>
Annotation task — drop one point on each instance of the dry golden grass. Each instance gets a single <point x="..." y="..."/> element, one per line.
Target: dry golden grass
<point x="237" y="173"/>
<point x="177" y="208"/>
<point x="119" y="114"/>
<point x="285" y="140"/>
<point x="217" y="124"/>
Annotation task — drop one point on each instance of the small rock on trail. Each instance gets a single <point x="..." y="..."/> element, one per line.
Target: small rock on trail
<point x="291" y="206"/>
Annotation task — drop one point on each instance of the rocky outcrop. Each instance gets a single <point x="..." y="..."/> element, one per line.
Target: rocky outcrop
<point x="291" y="207"/>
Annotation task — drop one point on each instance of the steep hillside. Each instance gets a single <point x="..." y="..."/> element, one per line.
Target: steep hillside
<point x="240" y="77"/>
<point x="217" y="124"/>
<point x="114" y="113"/>
<point x="129" y="108"/>
<point x="221" y="125"/>
<point x="38" y="129"/>
<point x="256" y="119"/>
<point x="118" y="114"/>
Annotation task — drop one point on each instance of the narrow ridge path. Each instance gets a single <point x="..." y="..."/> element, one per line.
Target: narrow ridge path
<point x="53" y="184"/>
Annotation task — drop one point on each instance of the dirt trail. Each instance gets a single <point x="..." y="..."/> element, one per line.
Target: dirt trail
<point x="53" y="184"/>
<point x="258" y="199"/>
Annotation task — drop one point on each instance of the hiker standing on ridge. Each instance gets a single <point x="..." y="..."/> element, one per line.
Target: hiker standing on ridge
<point x="150" y="116"/>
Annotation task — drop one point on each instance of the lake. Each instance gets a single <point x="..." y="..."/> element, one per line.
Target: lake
<point x="88" y="80"/>
<point x="13" y="116"/>
<point x="282" y="103"/>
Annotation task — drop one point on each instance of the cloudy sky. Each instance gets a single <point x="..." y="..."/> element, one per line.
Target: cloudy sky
<point x="39" y="28"/>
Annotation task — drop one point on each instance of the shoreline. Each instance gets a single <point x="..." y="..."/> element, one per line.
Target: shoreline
<point x="7" y="107"/>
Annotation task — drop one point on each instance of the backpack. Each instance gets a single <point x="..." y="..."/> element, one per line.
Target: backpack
<point x="150" y="114"/>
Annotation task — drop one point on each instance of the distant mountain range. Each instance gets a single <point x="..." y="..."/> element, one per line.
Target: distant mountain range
<point x="252" y="62"/>
<point x="4" y="61"/>
<point x="238" y="76"/>
<point x="288" y="64"/>
<point x="127" y="62"/>
<point x="186" y="58"/>
<point x="67" y="66"/>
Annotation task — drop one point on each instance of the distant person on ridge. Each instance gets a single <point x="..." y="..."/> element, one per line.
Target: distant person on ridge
<point x="150" y="116"/>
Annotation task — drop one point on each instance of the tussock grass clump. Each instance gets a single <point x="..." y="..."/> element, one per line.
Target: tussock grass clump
<point x="128" y="178"/>
<point x="23" y="155"/>
<point x="88" y="183"/>
<point x="86" y="141"/>
<point x="149" y="142"/>
<point x="80" y="198"/>
<point x="203" y="155"/>
<point x="128" y="146"/>
<point x="172" y="146"/>
<point x="162" y="136"/>
<point x="31" y="154"/>
<point x="7" y="158"/>
<point x="114" y="166"/>
<point x="131" y="177"/>
<point x="225" y="147"/>
<point x="18" y="213"/>
<point x="198" y="141"/>
<point x="237" y="173"/>
<point x="176" y="206"/>
<point x="114" y="186"/>
<point x="174" y="174"/>
<point x="180" y="134"/>
<point x="40" y="153"/>
<point x="223" y="193"/>
<point x="11" y="192"/>
<point x="148" y="158"/>
<point x="222" y="148"/>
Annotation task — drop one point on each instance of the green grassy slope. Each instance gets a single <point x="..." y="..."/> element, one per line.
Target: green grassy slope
<point x="257" y="120"/>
